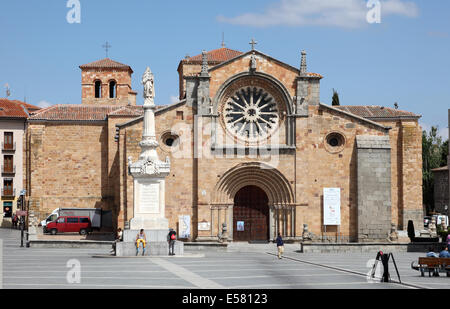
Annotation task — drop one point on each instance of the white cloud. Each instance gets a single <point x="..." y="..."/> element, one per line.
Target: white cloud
<point x="44" y="104"/>
<point x="444" y="133"/>
<point x="174" y="99"/>
<point x="340" y="13"/>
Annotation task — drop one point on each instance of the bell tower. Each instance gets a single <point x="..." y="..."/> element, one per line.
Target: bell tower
<point x="106" y="82"/>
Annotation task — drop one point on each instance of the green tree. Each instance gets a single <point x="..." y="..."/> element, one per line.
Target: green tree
<point x="335" y="99"/>
<point x="432" y="157"/>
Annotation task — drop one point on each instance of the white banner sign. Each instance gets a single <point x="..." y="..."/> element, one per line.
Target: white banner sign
<point x="204" y="226"/>
<point x="184" y="226"/>
<point x="331" y="206"/>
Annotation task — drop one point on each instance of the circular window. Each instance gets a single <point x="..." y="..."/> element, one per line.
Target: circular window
<point x="251" y="114"/>
<point x="170" y="140"/>
<point x="334" y="142"/>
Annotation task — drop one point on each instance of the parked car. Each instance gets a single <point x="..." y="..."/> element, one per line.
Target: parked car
<point x="99" y="218"/>
<point x="65" y="224"/>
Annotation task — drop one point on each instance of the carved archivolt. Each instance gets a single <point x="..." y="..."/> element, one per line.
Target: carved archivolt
<point x="269" y="179"/>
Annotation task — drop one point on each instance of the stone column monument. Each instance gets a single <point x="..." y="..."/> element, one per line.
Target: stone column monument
<point x="149" y="172"/>
<point x="149" y="175"/>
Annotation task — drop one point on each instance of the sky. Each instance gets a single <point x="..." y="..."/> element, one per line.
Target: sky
<point x="400" y="55"/>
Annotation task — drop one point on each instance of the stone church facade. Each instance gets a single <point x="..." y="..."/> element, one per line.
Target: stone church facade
<point x="250" y="145"/>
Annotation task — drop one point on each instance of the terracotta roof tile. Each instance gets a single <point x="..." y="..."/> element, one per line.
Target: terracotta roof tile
<point x="105" y="63"/>
<point x="376" y="112"/>
<point x="15" y="109"/>
<point x="215" y="56"/>
<point x="133" y="111"/>
<point x="73" y="112"/>
<point x="314" y="75"/>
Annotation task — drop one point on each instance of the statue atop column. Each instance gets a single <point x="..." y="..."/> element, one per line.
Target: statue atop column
<point x="149" y="86"/>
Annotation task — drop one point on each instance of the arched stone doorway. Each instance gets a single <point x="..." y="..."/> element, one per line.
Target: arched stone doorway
<point x="251" y="215"/>
<point x="280" y="198"/>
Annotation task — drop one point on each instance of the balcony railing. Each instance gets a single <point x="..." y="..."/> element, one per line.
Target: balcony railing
<point x="8" y="169"/>
<point x="8" y="192"/>
<point x="9" y="147"/>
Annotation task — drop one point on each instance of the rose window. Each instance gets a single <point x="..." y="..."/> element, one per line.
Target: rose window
<point x="251" y="114"/>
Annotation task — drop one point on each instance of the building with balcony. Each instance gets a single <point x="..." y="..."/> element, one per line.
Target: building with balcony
<point x="13" y="124"/>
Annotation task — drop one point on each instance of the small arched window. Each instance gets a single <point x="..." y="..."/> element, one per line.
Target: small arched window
<point x="112" y="89"/>
<point x="98" y="89"/>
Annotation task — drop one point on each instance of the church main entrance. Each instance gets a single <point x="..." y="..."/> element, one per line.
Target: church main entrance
<point x="251" y="215"/>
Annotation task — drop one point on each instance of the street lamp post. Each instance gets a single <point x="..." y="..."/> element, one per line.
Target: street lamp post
<point x="21" y="222"/>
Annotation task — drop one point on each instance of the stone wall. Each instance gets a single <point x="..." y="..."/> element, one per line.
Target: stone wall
<point x="68" y="166"/>
<point x="374" y="187"/>
<point x="411" y="149"/>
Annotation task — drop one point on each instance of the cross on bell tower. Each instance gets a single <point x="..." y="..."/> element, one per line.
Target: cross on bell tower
<point x="253" y="43"/>
<point x="106" y="46"/>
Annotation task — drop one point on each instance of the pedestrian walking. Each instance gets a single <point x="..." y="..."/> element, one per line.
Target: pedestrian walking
<point x="141" y="239"/>
<point x="15" y="219"/>
<point x="172" y="237"/>
<point x="280" y="246"/>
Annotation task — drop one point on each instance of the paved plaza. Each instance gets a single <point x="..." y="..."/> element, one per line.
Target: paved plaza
<point x="243" y="267"/>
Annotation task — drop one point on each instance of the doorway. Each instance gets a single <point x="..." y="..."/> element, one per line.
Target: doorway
<point x="251" y="215"/>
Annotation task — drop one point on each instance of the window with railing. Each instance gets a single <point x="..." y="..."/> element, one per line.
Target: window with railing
<point x="8" y="165"/>
<point x="8" y="189"/>
<point x="8" y="142"/>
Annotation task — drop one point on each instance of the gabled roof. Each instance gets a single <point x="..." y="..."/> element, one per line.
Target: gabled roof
<point x="16" y="109"/>
<point x="288" y="66"/>
<point x="72" y="112"/>
<point x="106" y="64"/>
<point x="355" y="116"/>
<point x="159" y="110"/>
<point x="377" y="112"/>
<point x="127" y="111"/>
<point x="214" y="57"/>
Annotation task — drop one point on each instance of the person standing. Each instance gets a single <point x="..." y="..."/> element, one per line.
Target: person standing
<point x="280" y="246"/>
<point x="141" y="239"/>
<point x="448" y="241"/>
<point x="14" y="221"/>
<point x="119" y="236"/>
<point x="172" y="237"/>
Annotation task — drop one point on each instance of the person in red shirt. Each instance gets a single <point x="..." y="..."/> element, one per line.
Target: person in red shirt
<point x="172" y="237"/>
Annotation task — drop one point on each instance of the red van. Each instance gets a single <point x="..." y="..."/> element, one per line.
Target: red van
<point x="80" y="225"/>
